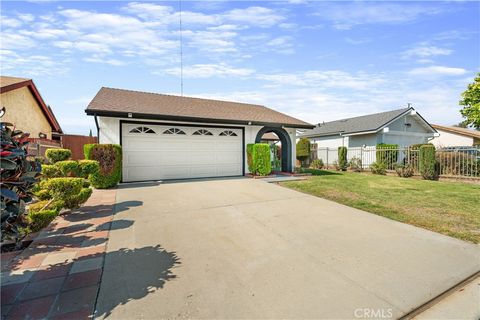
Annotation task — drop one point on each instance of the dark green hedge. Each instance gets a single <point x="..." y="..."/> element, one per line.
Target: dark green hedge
<point x="342" y="158"/>
<point x="109" y="157"/>
<point x="261" y="159"/>
<point x="427" y="162"/>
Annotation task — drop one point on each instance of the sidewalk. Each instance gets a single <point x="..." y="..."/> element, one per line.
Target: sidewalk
<point x="58" y="275"/>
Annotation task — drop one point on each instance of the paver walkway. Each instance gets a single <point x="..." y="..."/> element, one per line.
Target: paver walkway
<point x="58" y="275"/>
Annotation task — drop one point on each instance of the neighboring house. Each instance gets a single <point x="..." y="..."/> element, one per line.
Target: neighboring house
<point x="25" y="108"/>
<point x="403" y="127"/>
<point x="455" y="137"/>
<point x="173" y="137"/>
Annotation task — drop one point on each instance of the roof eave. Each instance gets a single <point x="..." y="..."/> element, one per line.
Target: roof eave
<point x="118" y="114"/>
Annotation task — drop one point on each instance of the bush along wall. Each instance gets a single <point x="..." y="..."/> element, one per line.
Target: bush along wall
<point x="109" y="157"/>
<point x="261" y="159"/>
<point x="427" y="162"/>
<point x="342" y="158"/>
<point x="387" y="154"/>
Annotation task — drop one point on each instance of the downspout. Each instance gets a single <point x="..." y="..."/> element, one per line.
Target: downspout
<point x="98" y="128"/>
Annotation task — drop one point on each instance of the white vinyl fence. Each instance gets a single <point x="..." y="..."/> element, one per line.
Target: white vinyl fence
<point x="458" y="161"/>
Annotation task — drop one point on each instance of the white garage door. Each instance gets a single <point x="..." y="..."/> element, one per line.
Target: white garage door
<point x="158" y="152"/>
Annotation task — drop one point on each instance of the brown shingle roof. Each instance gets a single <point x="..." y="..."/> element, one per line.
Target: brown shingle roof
<point x="458" y="130"/>
<point x="118" y="102"/>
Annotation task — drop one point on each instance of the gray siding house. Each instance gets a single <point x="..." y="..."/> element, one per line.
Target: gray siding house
<point x="403" y="127"/>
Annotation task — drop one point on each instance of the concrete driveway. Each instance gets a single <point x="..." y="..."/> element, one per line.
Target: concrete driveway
<point x="243" y="248"/>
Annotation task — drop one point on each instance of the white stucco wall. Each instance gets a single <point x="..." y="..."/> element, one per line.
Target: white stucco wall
<point x="110" y="132"/>
<point x="369" y="140"/>
<point x="449" y="139"/>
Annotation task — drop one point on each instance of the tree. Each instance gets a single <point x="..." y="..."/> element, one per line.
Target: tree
<point x="90" y="134"/>
<point x="471" y="102"/>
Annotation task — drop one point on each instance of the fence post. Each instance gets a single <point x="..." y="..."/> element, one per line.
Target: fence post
<point x="327" y="157"/>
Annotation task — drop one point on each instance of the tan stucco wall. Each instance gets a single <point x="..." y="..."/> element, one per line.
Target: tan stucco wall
<point x="23" y="111"/>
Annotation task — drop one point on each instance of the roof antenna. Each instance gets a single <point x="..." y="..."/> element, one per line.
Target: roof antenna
<point x="181" y="49"/>
<point x="409" y="104"/>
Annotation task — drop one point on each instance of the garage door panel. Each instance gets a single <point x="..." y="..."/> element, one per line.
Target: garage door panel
<point x="157" y="156"/>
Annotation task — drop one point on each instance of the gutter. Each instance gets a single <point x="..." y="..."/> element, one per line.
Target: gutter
<point x="98" y="128"/>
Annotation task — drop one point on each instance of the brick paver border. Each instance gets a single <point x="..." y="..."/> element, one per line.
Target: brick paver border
<point x="58" y="276"/>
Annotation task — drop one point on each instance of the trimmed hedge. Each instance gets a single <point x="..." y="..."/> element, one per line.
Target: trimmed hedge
<point x="428" y="163"/>
<point x="66" y="190"/>
<point x="387" y="154"/>
<point x="88" y="167"/>
<point x="68" y="168"/>
<point x="251" y="169"/>
<point x="40" y="219"/>
<point x="55" y="155"/>
<point x="109" y="157"/>
<point x="303" y="149"/>
<point x="50" y="171"/>
<point x="342" y="158"/>
<point x="261" y="159"/>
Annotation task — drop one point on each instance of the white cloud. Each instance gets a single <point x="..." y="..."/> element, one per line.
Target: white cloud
<point x="433" y="71"/>
<point x="255" y="16"/>
<point x="344" y="16"/>
<point x="8" y="22"/>
<point x="210" y="70"/>
<point x="426" y="51"/>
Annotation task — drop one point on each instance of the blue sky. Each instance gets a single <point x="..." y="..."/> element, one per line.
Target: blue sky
<point x="318" y="61"/>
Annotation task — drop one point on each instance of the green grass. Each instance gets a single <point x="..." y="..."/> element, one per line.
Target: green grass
<point x="450" y="208"/>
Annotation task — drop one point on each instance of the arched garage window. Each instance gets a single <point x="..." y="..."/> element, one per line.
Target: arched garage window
<point x="202" y="132"/>
<point x="142" y="130"/>
<point x="228" y="133"/>
<point x="174" y="131"/>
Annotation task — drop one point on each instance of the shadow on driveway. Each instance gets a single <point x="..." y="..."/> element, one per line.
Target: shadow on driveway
<point x="131" y="274"/>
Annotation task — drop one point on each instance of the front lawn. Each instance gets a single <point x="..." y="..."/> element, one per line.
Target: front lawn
<point x="451" y="208"/>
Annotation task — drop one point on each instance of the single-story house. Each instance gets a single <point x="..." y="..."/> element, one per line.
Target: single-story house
<point x="403" y="127"/>
<point x="24" y="107"/>
<point x="175" y="137"/>
<point x="455" y="136"/>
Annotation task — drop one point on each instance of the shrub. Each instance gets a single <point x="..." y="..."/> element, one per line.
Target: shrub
<point x="355" y="164"/>
<point x="43" y="194"/>
<point x="55" y="155"/>
<point x="411" y="154"/>
<point x="88" y="167"/>
<point x="45" y="205"/>
<point x="68" y="168"/>
<point x="50" y="171"/>
<point x="109" y="157"/>
<point x="378" y="168"/>
<point x="335" y="165"/>
<point x="251" y="169"/>
<point x="303" y="150"/>
<point x="18" y="179"/>
<point x="317" y="164"/>
<point x="427" y="162"/>
<point x="67" y="190"/>
<point x="457" y="163"/>
<point x="387" y="154"/>
<point x="404" y="170"/>
<point x="261" y="159"/>
<point x="342" y="158"/>
<point x="40" y="219"/>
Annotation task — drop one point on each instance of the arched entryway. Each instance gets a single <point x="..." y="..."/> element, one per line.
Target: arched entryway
<point x="286" y="145"/>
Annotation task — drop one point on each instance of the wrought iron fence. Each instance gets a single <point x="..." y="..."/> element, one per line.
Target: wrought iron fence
<point x="452" y="161"/>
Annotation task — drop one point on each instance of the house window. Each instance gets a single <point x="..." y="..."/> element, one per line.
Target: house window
<point x="202" y="132"/>
<point x="142" y="130"/>
<point x="174" y="131"/>
<point x="228" y="133"/>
